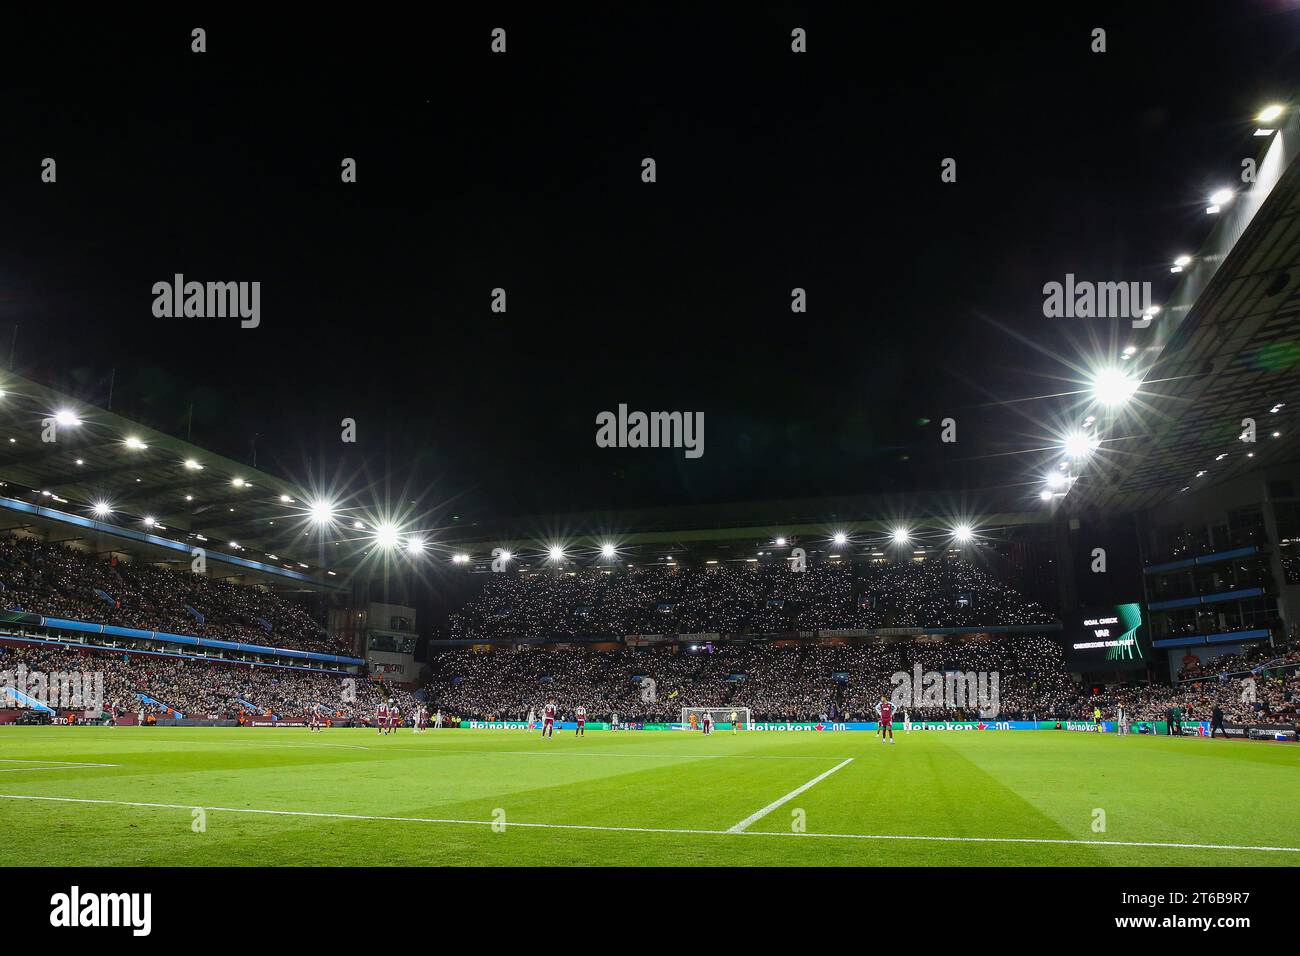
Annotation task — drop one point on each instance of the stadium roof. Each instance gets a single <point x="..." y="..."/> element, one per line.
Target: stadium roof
<point x="1225" y="348"/>
<point x="59" y="457"/>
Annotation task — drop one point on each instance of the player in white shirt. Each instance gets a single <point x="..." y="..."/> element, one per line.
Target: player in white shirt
<point x="708" y="723"/>
<point x="437" y="719"/>
<point x="532" y="720"/>
<point x="613" y="721"/>
<point x="907" y="722"/>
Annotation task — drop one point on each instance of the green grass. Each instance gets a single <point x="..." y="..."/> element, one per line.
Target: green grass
<point x="1038" y="785"/>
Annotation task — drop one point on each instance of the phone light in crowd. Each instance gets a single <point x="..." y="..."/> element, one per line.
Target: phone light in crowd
<point x="66" y="418"/>
<point x="102" y="509"/>
<point x="840" y="537"/>
<point x="192" y="465"/>
<point x="134" y="443"/>
<point x="1079" y="445"/>
<point x="962" y="533"/>
<point x="322" y="512"/>
<point x="1113" y="386"/>
<point x="1181" y="263"/>
<point x="607" y="550"/>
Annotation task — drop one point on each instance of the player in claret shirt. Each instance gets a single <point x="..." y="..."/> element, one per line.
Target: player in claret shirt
<point x="886" y="719"/>
<point x="548" y="720"/>
<point x="581" y="715"/>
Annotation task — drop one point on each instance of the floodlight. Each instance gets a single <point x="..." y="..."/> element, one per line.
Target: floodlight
<point x="1113" y="387"/>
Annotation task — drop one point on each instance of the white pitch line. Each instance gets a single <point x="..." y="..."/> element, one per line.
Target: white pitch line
<point x="743" y="825"/>
<point x="666" y="830"/>
<point x="50" y="765"/>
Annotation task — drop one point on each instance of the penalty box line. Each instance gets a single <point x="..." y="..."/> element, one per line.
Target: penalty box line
<point x="50" y="765"/>
<point x="744" y="824"/>
<point x="666" y="830"/>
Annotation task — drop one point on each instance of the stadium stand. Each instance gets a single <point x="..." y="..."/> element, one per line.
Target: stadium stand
<point x="736" y="601"/>
<point x="211" y="690"/>
<point x="50" y="579"/>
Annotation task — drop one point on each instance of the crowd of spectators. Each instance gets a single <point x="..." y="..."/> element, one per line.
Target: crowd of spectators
<point x="40" y="577"/>
<point x="789" y="681"/>
<point x="211" y="690"/>
<point x="838" y="682"/>
<point x="757" y="599"/>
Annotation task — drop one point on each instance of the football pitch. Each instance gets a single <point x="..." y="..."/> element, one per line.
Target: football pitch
<point x="269" y="797"/>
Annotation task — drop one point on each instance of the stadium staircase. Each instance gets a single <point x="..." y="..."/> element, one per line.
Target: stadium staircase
<point x="155" y="702"/>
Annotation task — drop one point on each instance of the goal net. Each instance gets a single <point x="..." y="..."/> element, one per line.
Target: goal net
<point x="693" y="717"/>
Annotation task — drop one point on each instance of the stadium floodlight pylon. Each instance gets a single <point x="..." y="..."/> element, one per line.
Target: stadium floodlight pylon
<point x="721" y="717"/>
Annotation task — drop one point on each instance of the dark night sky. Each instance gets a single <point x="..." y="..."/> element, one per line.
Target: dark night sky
<point x="523" y="171"/>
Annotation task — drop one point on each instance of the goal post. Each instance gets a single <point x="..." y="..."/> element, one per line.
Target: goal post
<point x="721" y="717"/>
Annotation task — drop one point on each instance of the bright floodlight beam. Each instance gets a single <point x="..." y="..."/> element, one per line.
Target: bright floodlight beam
<point x="607" y="550"/>
<point x="556" y="553"/>
<point x="322" y="512"/>
<point x="66" y="418"/>
<point x="1078" y="445"/>
<point x="1270" y="113"/>
<point x="387" y="535"/>
<point x="415" y="545"/>
<point x="1113" y="387"/>
<point x="962" y="533"/>
<point x="901" y="536"/>
<point x="840" y="537"/>
<point x="102" y="509"/>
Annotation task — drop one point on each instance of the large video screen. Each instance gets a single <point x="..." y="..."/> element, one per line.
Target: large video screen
<point x="1106" y="637"/>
